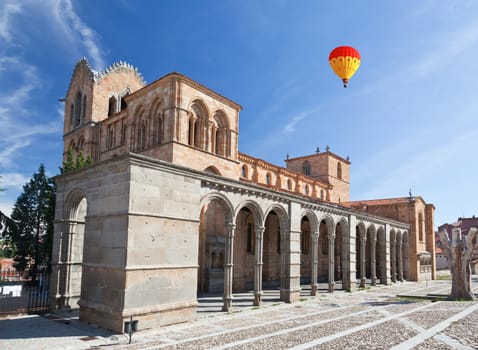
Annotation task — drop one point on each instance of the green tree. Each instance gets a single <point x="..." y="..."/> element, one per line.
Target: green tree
<point x="71" y="164"/>
<point x="33" y="214"/>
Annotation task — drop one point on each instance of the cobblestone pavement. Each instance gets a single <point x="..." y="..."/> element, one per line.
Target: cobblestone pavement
<point x="383" y="317"/>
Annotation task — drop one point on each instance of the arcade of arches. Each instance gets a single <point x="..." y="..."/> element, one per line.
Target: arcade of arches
<point x="171" y="209"/>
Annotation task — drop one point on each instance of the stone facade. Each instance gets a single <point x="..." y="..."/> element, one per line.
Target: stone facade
<point x="421" y="238"/>
<point x="170" y="208"/>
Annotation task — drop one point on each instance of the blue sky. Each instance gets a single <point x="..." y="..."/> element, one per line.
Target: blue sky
<point x="407" y="120"/>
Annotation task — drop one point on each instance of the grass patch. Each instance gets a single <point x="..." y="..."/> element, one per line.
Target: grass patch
<point x="443" y="277"/>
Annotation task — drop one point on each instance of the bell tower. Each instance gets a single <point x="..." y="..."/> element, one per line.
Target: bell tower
<point x="91" y="97"/>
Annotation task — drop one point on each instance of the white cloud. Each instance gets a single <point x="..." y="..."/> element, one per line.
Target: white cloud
<point x="7" y="9"/>
<point x="291" y="125"/>
<point x="13" y="180"/>
<point x="76" y="31"/>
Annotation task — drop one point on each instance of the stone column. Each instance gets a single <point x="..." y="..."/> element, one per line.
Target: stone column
<point x="57" y="284"/>
<point x="228" y="268"/>
<point x="363" y="259"/>
<point x="385" y="279"/>
<point x="373" y="259"/>
<point x="258" y="268"/>
<point x="331" y="237"/>
<point x="393" y="258"/>
<point x="400" y="259"/>
<point x="315" y="263"/>
<point x="350" y="256"/>
<point x="213" y="147"/>
<point x="405" y="259"/>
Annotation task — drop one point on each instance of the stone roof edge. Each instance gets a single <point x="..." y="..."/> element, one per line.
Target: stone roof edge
<point x="95" y="75"/>
<point x="201" y="87"/>
<point x="332" y="154"/>
<point x="153" y="163"/>
<point x="283" y="169"/>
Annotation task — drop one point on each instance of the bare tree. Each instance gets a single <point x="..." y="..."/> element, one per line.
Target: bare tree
<point x="459" y="250"/>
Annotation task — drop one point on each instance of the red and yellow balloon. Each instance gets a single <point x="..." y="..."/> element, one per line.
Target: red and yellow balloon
<point x="344" y="60"/>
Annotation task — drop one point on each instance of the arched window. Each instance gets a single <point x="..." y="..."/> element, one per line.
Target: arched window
<point x="159" y="131"/>
<point x="83" y="109"/>
<point x="111" y="106"/>
<point x="121" y="98"/>
<point x="142" y="136"/>
<point x="268" y="178"/>
<point x="77" y="110"/>
<point x="198" y="131"/>
<point x="72" y="115"/>
<point x="339" y="170"/>
<point x="306" y="168"/>
<point x="220" y="142"/>
<point x="244" y="171"/>
<point x="200" y="126"/>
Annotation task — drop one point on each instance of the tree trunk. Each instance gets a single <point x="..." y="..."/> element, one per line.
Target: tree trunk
<point x="459" y="251"/>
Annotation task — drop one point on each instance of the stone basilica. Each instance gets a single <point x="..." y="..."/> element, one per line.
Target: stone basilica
<point x="170" y="209"/>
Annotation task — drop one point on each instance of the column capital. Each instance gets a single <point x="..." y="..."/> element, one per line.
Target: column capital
<point x="259" y="230"/>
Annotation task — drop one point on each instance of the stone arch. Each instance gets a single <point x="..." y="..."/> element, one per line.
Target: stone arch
<point x="326" y="229"/>
<point x="268" y="179"/>
<point x="341" y="251"/>
<point x="215" y="216"/>
<point x="68" y="250"/>
<point x="212" y="170"/>
<point x="306" y="168"/>
<point x="248" y="219"/>
<point x="220" y="134"/>
<point x="276" y="236"/>
<point x="245" y="171"/>
<point x="253" y="207"/>
<point x="198" y="124"/>
<point x="157" y="121"/>
<point x="221" y="198"/>
<point x="309" y="232"/>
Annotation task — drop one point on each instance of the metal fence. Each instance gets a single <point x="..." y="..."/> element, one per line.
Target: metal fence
<point x="19" y="294"/>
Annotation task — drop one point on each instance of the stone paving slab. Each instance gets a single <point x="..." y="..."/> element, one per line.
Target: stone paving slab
<point x="373" y="318"/>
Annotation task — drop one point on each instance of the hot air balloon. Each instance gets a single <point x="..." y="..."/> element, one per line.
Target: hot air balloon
<point x="344" y="61"/>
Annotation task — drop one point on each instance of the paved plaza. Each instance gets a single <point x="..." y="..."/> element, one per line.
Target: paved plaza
<point x="405" y="315"/>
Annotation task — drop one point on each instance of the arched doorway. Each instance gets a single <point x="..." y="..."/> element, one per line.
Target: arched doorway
<point x="339" y="254"/>
<point x="305" y="251"/>
<point x="272" y="251"/>
<point x="212" y="245"/>
<point x="68" y="247"/>
<point x="244" y="250"/>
